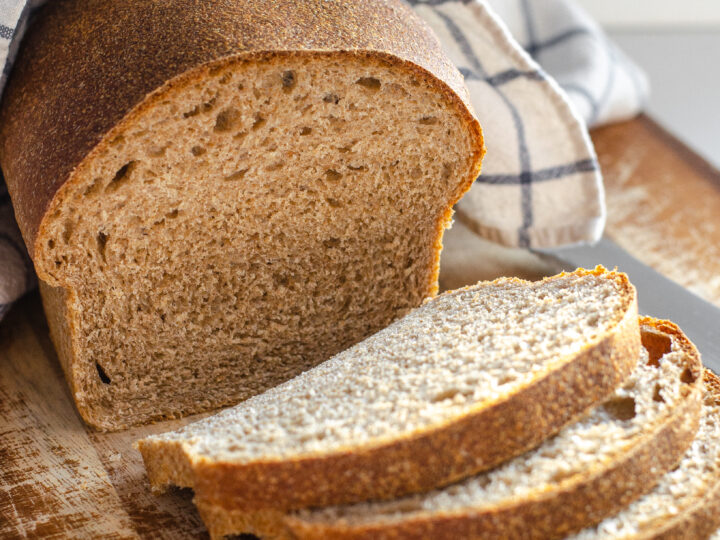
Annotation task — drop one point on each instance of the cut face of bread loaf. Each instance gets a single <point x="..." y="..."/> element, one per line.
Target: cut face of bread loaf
<point x="459" y="385"/>
<point x="686" y="501"/>
<point x="589" y="470"/>
<point x="266" y="187"/>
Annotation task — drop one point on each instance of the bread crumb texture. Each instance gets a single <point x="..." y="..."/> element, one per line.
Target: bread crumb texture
<point x="259" y="217"/>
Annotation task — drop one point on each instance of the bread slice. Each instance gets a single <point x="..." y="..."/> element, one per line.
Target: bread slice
<point x="686" y="501"/>
<point x="217" y="198"/>
<point x="459" y="385"/>
<point x="587" y="471"/>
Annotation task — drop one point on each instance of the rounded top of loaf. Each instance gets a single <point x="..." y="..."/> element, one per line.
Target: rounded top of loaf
<point x="85" y="65"/>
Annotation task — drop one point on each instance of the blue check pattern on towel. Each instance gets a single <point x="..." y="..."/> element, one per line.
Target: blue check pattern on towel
<point x="538" y="72"/>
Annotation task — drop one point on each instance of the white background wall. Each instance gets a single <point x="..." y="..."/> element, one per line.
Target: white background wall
<point x="673" y="14"/>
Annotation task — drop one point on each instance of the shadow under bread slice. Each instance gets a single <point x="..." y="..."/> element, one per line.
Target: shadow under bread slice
<point x="589" y="470"/>
<point x="467" y="381"/>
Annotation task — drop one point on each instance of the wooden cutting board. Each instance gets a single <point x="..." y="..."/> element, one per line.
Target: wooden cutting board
<point x="60" y="479"/>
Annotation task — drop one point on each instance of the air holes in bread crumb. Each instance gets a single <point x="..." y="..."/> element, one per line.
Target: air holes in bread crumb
<point x="428" y="120"/>
<point x="371" y="83"/>
<point x="688" y="376"/>
<point x="332" y="175"/>
<point x="657" y="345"/>
<point x="172" y="214"/>
<point x="51" y="243"/>
<point x="331" y="98"/>
<point x="268" y="143"/>
<point x="288" y="80"/>
<point x="357" y="168"/>
<point x="657" y="396"/>
<point x="275" y="166"/>
<point x="156" y="151"/>
<point x="333" y="202"/>
<point x="237" y="175"/>
<point x="68" y="228"/>
<point x="102" y="239"/>
<point x="622" y="408"/>
<point x="226" y="119"/>
<point x="259" y="122"/>
<point x="331" y="243"/>
<point x="101" y="373"/>
<point x="121" y="176"/>
<point x="92" y="188"/>
<point x="208" y="105"/>
<point x="197" y="150"/>
<point x="450" y="394"/>
<point x="192" y="112"/>
<point x="504" y="378"/>
<point x="305" y="131"/>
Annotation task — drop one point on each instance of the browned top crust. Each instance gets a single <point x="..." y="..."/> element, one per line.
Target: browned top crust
<point x="85" y="65"/>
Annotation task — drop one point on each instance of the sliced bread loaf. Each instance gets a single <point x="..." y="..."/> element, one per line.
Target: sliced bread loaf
<point x="220" y="195"/>
<point x="589" y="470"/>
<point x="686" y="501"/>
<point x="466" y="381"/>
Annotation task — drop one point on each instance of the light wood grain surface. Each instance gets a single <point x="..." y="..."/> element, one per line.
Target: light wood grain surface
<point x="663" y="203"/>
<point x="60" y="479"/>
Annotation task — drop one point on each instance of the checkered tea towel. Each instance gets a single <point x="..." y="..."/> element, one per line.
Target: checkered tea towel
<point x="538" y="71"/>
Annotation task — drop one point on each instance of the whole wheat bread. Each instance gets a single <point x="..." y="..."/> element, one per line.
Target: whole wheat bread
<point x="589" y="470"/>
<point x="219" y="195"/>
<point x="468" y="380"/>
<point x="685" y="504"/>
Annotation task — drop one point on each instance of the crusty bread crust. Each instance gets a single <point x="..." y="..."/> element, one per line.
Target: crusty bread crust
<point x="434" y="457"/>
<point x="582" y="502"/>
<point x="68" y="94"/>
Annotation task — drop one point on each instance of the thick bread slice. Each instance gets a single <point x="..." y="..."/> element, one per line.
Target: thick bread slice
<point x="685" y="504"/>
<point x="218" y="195"/>
<point x="589" y="470"/>
<point x="464" y="382"/>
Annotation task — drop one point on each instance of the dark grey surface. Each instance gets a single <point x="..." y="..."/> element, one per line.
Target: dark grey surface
<point x="657" y="295"/>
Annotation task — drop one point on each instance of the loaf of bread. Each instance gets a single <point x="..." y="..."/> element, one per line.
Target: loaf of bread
<point x="591" y="469"/>
<point x="219" y="195"/>
<point x="467" y="381"/>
